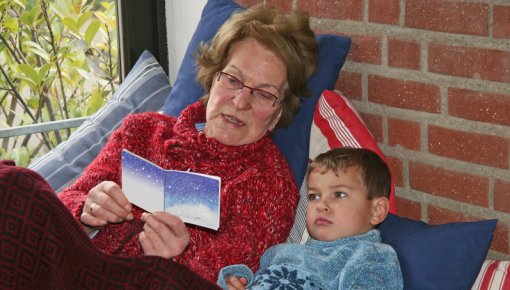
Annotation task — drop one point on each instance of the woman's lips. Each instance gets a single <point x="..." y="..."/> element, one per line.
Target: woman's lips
<point x="232" y="120"/>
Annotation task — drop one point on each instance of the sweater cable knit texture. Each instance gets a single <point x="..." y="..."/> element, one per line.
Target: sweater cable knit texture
<point x="258" y="196"/>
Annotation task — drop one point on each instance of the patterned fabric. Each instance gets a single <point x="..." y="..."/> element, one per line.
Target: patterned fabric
<point x="359" y="262"/>
<point x="43" y="247"/>
<point x="494" y="275"/>
<point x="143" y="90"/>
<point x="258" y="196"/>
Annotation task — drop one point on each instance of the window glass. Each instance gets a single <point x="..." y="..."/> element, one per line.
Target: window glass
<point x="58" y="60"/>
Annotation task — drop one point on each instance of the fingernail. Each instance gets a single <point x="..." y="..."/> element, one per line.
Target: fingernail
<point x="128" y="207"/>
<point x="130" y="216"/>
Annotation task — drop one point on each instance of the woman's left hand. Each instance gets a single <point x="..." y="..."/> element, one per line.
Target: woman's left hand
<point x="163" y="235"/>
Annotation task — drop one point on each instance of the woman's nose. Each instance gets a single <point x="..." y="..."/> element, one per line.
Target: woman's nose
<point x="242" y="99"/>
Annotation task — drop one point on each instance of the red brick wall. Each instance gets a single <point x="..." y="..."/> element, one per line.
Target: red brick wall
<point x="431" y="79"/>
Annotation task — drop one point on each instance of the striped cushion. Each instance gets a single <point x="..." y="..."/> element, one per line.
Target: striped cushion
<point x="494" y="275"/>
<point x="145" y="89"/>
<point x="336" y="123"/>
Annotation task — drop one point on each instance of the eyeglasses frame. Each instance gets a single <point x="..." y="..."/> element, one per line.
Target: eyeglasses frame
<point x="276" y="99"/>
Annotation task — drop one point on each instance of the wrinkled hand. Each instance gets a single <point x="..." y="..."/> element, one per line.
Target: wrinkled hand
<point x="163" y="235"/>
<point x="236" y="283"/>
<point x="105" y="203"/>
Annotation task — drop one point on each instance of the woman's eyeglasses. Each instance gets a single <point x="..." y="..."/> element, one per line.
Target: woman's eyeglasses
<point x="261" y="98"/>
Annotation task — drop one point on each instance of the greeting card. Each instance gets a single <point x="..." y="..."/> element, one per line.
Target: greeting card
<point x="194" y="197"/>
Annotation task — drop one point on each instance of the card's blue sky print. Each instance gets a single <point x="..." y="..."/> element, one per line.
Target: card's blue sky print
<point x="194" y="197"/>
<point x="142" y="182"/>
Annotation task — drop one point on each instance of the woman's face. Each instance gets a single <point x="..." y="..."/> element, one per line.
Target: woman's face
<point x="234" y="116"/>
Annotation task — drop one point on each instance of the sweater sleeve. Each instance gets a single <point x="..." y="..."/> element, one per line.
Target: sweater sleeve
<point x="107" y="165"/>
<point x="240" y="271"/>
<point x="260" y="214"/>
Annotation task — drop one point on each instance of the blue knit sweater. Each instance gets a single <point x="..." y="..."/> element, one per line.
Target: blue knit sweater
<point x="359" y="262"/>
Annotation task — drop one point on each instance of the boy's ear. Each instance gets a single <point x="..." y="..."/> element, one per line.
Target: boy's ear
<point x="380" y="209"/>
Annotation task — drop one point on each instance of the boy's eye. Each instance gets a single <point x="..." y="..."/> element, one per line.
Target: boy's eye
<point x="312" y="197"/>
<point x="340" y="194"/>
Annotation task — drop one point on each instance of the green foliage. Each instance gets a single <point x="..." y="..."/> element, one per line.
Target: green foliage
<point x="58" y="60"/>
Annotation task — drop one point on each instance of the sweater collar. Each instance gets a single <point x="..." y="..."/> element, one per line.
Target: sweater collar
<point x="187" y="136"/>
<point x="371" y="236"/>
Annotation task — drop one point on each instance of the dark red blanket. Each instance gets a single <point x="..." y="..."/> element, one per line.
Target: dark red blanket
<point x="43" y="247"/>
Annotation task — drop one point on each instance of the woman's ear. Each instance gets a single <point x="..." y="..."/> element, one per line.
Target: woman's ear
<point x="380" y="209"/>
<point x="276" y="117"/>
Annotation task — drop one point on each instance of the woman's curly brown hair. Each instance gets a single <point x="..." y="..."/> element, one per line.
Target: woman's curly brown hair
<point x="290" y="37"/>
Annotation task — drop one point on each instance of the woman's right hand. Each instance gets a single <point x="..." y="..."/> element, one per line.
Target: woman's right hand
<point x="105" y="203"/>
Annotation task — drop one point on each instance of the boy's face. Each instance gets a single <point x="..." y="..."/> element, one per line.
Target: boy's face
<point x="337" y="205"/>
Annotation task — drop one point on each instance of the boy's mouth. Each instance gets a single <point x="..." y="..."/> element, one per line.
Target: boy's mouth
<point x="322" y="221"/>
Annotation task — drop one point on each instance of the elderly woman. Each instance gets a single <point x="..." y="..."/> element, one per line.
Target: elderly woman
<point x="254" y="72"/>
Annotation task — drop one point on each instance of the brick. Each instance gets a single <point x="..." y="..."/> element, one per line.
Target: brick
<point x="337" y="9"/>
<point x="248" y="3"/>
<point x="439" y="215"/>
<point x="384" y="11"/>
<point x="500" y="239"/>
<point x="408" y="209"/>
<point x="365" y="49"/>
<point x="404" y="94"/>
<point x="283" y="5"/>
<point x="449" y="184"/>
<point x="397" y="168"/>
<point x="469" y="62"/>
<point x="483" y="107"/>
<point x="501" y="22"/>
<point x="350" y="84"/>
<point x="404" y="53"/>
<point x="469" y="147"/>
<point x="502" y="196"/>
<point x="448" y="16"/>
<point x="374" y="125"/>
<point x="404" y="133"/>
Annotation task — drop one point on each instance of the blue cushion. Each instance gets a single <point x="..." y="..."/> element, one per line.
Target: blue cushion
<point x="447" y="256"/>
<point x="333" y="50"/>
<point x="144" y="89"/>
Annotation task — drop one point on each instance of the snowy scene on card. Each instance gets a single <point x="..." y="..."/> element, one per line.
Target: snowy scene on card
<point x="193" y="197"/>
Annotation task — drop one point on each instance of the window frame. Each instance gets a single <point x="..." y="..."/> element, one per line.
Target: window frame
<point x="146" y="23"/>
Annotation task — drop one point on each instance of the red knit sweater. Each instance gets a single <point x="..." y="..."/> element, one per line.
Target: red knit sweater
<point x="258" y="197"/>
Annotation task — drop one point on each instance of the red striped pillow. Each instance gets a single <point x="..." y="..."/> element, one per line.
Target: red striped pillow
<point x="336" y="123"/>
<point x="493" y="275"/>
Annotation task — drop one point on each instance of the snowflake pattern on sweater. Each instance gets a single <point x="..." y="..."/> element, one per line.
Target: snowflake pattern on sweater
<point x="357" y="262"/>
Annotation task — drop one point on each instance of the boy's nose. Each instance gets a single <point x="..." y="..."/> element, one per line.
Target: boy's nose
<point x="322" y="206"/>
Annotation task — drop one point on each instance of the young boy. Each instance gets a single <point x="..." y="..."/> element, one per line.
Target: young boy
<point x="348" y="191"/>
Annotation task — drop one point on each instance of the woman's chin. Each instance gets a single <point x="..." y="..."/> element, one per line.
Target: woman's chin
<point x="229" y="140"/>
